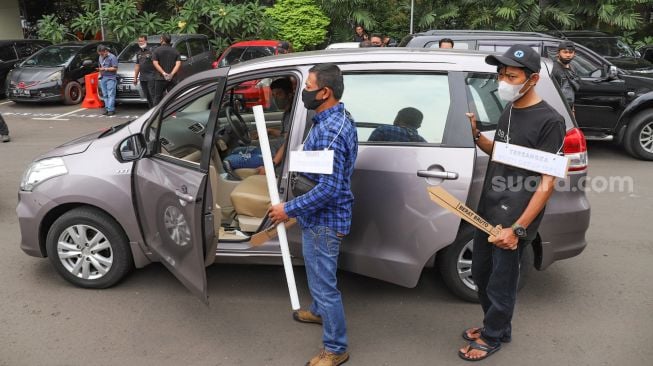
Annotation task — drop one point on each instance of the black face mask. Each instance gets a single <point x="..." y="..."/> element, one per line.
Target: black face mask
<point x="308" y="97"/>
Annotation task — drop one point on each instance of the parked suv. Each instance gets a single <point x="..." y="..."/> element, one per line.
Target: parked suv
<point x="612" y="48"/>
<point x="196" y="56"/>
<point x="13" y="52"/>
<point x="611" y="105"/>
<point x="155" y="189"/>
<point x="56" y="73"/>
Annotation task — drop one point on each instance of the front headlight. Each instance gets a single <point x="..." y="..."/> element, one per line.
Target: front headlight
<point x="42" y="170"/>
<point x="54" y="77"/>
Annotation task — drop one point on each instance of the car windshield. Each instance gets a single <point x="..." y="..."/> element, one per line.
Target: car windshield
<point x="52" y="56"/>
<point x="129" y="53"/>
<point x="607" y="46"/>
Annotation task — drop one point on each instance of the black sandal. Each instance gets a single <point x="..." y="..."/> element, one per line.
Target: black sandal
<point x="504" y="339"/>
<point x="489" y="350"/>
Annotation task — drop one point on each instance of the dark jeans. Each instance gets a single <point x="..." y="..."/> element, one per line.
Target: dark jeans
<point x="148" y="89"/>
<point x="496" y="273"/>
<point x="160" y="88"/>
<point x="4" y="130"/>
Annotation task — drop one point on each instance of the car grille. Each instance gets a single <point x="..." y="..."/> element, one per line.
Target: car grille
<point x="128" y="94"/>
<point x="126" y="79"/>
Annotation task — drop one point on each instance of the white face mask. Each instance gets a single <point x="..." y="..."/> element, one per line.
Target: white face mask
<point x="509" y="92"/>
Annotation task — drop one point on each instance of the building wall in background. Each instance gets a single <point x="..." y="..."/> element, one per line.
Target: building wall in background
<point x="10" y="27"/>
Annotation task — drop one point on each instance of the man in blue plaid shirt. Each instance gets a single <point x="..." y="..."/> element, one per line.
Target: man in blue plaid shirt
<point x="324" y="212"/>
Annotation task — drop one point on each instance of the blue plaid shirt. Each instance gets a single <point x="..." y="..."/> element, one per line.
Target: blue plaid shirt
<point x="330" y="202"/>
<point x="395" y="133"/>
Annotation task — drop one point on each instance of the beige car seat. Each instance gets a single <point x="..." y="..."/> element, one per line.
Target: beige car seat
<point x="251" y="201"/>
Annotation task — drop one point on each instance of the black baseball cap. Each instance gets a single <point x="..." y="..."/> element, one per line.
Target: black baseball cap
<point x="517" y="56"/>
<point x="567" y="45"/>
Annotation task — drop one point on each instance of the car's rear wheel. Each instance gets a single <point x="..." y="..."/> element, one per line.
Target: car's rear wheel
<point x="639" y="136"/>
<point x="455" y="265"/>
<point x="73" y="93"/>
<point x="89" y="249"/>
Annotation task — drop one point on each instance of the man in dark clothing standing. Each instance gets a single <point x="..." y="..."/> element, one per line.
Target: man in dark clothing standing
<point x="167" y="63"/>
<point x="404" y="128"/>
<point x="108" y="70"/>
<point x="360" y="35"/>
<point x="511" y="196"/>
<point x="4" y="130"/>
<point x="564" y="74"/>
<point x="144" y="70"/>
<point x="324" y="213"/>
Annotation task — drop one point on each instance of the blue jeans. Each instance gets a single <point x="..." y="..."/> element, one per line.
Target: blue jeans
<point x="245" y="157"/>
<point x="496" y="273"/>
<point x="321" y="247"/>
<point x="108" y="87"/>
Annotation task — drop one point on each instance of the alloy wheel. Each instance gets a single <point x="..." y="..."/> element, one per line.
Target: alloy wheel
<point x="85" y="252"/>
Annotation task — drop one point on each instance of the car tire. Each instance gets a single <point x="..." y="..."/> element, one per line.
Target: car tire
<point x="639" y="136"/>
<point x="455" y="263"/>
<point x="73" y="93"/>
<point x="75" y="258"/>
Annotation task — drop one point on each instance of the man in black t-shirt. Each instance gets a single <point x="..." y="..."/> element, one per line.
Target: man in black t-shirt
<point x="167" y="63"/>
<point x="564" y="74"/>
<point x="512" y="197"/>
<point x="144" y="70"/>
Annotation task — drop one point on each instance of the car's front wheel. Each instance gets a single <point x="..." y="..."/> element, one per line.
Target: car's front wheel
<point x="639" y="136"/>
<point x="73" y="93"/>
<point x="89" y="249"/>
<point x="455" y="266"/>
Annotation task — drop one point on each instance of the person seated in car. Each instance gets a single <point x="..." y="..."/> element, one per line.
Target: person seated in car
<point x="252" y="156"/>
<point x="404" y="129"/>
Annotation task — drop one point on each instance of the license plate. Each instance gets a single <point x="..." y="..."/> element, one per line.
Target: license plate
<point x="23" y="92"/>
<point x="125" y="87"/>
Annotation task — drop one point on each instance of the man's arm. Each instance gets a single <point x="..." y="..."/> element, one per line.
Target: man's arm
<point x="137" y="71"/>
<point x="176" y="68"/>
<point x="158" y="67"/>
<point x="482" y="142"/>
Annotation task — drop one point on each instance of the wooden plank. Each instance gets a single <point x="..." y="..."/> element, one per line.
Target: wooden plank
<point x="445" y="199"/>
<point x="268" y="234"/>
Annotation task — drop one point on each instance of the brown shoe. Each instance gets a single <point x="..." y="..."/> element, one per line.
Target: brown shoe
<point x="305" y="316"/>
<point x="326" y="358"/>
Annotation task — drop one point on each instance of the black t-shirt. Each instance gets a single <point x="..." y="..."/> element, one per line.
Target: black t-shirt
<point x="567" y="79"/>
<point x="167" y="57"/>
<point x="146" y="67"/>
<point x="507" y="190"/>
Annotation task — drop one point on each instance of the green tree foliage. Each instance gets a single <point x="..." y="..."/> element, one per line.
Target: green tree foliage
<point x="50" y="28"/>
<point x="301" y="22"/>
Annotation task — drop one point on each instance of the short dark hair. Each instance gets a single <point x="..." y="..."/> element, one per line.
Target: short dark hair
<point x="445" y="40"/>
<point x="366" y="43"/>
<point x="284" y="44"/>
<point x="329" y="76"/>
<point x="528" y="72"/>
<point x="166" y="38"/>
<point x="283" y="84"/>
<point x="102" y="47"/>
<point x="377" y="35"/>
<point x="143" y="36"/>
<point x="409" y="117"/>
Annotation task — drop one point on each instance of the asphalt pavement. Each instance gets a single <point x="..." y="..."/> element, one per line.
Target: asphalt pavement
<point x="594" y="309"/>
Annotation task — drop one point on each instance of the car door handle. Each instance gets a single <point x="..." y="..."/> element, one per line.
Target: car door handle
<point x="440" y="175"/>
<point x="185" y="197"/>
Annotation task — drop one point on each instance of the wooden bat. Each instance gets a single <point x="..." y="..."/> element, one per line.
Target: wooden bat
<point x="445" y="199"/>
<point x="269" y="233"/>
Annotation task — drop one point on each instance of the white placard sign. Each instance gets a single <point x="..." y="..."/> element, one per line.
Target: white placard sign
<point x="530" y="159"/>
<point x="316" y="162"/>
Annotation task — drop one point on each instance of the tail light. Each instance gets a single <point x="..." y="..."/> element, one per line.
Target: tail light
<point x="214" y="65"/>
<point x="575" y="148"/>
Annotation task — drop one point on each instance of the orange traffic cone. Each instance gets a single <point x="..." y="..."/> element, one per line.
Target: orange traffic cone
<point x="92" y="99"/>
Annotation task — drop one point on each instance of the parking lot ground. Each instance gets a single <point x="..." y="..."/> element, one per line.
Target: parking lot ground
<point x="594" y="309"/>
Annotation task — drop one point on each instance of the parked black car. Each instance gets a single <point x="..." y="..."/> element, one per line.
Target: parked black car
<point x="611" y="105"/>
<point x="612" y="48"/>
<point x="13" y="51"/>
<point x="56" y="73"/>
<point x="647" y="52"/>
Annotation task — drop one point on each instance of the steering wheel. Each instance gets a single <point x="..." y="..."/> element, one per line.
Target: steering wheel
<point x="238" y="126"/>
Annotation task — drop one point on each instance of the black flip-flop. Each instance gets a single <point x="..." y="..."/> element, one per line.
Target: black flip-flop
<point x="504" y="339"/>
<point x="489" y="351"/>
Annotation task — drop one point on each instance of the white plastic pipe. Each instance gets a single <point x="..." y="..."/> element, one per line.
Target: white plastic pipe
<point x="262" y="130"/>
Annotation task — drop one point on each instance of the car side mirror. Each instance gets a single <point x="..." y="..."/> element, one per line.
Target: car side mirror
<point x="130" y="149"/>
<point x="183" y="57"/>
<point x="87" y="63"/>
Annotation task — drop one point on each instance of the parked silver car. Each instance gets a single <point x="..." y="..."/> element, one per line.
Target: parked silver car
<point x="196" y="56"/>
<point x="155" y="189"/>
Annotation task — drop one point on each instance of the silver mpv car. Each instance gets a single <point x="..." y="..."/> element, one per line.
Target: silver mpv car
<point x="155" y="189"/>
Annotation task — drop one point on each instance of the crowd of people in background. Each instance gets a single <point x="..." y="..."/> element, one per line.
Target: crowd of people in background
<point x="366" y="39"/>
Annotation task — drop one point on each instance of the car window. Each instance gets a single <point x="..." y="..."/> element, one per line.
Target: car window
<point x="7" y="53"/>
<point x="196" y="46"/>
<point x="484" y="100"/>
<point x="394" y="108"/>
<point x="257" y="52"/>
<point x="26" y="49"/>
<point x="52" y="56"/>
<point x="231" y="56"/>
<point x="582" y="65"/>
<point x="182" y="48"/>
<point x="501" y="47"/>
<point x="182" y="129"/>
<point x="459" y="45"/>
<point x="86" y="54"/>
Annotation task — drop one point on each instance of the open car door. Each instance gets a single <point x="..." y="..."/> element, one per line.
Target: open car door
<point x="171" y="183"/>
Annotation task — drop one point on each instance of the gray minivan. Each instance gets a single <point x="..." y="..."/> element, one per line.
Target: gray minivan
<point x="155" y="189"/>
<point x="196" y="56"/>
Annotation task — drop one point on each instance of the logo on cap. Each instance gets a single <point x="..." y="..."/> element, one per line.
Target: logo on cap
<point x="519" y="54"/>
